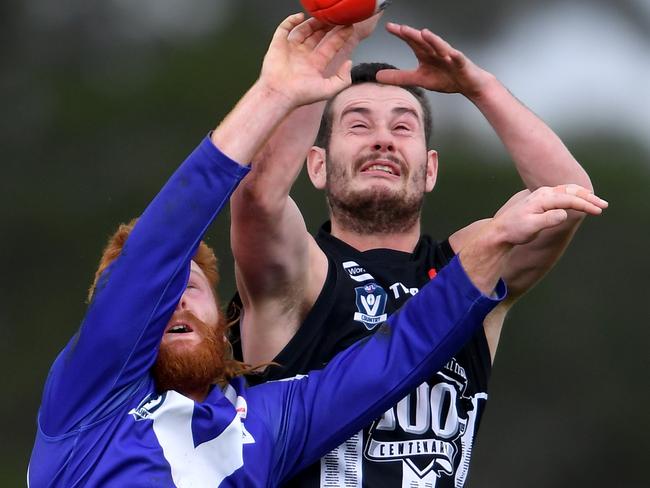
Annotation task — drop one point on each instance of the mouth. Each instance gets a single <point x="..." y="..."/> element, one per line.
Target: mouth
<point x="381" y="167"/>
<point x="179" y="328"/>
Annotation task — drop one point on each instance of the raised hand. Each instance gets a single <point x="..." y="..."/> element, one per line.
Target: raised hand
<point x="527" y="213"/>
<point x="441" y="67"/>
<point x="485" y="257"/>
<point x="298" y="56"/>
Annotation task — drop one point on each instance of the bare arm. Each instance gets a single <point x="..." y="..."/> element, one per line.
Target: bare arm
<point x="293" y="75"/>
<point x="540" y="157"/>
<point x="555" y="204"/>
<point x="280" y="269"/>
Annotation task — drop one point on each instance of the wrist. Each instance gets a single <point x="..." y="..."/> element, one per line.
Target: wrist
<point x="485" y="257"/>
<point x="245" y="129"/>
<point x="485" y="88"/>
<point x="272" y="96"/>
<point x="493" y="239"/>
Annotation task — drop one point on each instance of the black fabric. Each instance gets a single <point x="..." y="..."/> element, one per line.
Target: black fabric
<point x="350" y="309"/>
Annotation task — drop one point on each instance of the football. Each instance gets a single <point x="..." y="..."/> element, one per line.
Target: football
<point x="343" y="12"/>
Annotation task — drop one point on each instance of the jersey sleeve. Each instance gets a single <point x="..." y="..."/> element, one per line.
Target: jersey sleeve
<point x="319" y="411"/>
<point x="118" y="340"/>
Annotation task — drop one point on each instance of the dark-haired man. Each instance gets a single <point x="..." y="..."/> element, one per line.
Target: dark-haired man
<point x="305" y="298"/>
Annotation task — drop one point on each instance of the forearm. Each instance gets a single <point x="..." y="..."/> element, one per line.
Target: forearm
<point x="278" y="163"/>
<point x="246" y="128"/>
<point x="540" y="157"/>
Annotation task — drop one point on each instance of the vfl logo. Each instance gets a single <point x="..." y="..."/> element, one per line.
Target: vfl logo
<point x="371" y="305"/>
<point x="148" y="406"/>
<point x="356" y="272"/>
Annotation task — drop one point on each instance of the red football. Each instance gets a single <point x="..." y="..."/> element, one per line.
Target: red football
<point x="343" y="11"/>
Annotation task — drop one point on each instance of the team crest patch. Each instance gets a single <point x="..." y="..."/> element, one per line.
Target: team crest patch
<point x="371" y="305"/>
<point x="148" y="406"/>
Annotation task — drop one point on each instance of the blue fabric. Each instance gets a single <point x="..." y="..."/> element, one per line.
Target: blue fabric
<point x="101" y="422"/>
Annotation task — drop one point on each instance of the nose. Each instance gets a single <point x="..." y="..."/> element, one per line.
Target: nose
<point x="383" y="142"/>
<point x="183" y="303"/>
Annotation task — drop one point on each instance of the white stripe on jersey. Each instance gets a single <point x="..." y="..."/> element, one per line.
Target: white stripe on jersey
<point x="206" y="465"/>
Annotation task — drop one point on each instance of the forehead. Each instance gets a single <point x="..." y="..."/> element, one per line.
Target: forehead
<point x="196" y="270"/>
<point x="375" y="97"/>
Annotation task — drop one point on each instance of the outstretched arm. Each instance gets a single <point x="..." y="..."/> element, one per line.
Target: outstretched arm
<point x="136" y="295"/>
<point x="272" y="247"/>
<point x="416" y="341"/>
<point x="539" y="155"/>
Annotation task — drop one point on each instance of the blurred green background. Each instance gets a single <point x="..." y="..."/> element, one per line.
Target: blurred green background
<point x="101" y="100"/>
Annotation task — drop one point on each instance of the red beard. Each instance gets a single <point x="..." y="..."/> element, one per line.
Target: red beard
<point x="187" y="368"/>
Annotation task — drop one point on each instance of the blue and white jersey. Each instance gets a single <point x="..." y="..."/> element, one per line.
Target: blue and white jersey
<point x="103" y="424"/>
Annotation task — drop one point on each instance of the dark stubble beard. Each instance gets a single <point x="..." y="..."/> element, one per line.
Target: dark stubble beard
<point x="376" y="210"/>
<point x="195" y="367"/>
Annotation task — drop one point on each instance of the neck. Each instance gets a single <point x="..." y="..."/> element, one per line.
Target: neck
<point x="403" y="240"/>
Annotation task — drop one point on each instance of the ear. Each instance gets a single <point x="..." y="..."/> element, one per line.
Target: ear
<point x="432" y="170"/>
<point x="316" y="167"/>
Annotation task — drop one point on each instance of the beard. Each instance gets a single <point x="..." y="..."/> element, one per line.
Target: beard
<point x="183" y="367"/>
<point x="376" y="210"/>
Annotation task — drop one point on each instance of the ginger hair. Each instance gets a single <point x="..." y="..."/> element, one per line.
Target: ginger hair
<point x="207" y="261"/>
<point x="204" y="257"/>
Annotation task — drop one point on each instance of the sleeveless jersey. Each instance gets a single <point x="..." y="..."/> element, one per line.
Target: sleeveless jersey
<point x="426" y="439"/>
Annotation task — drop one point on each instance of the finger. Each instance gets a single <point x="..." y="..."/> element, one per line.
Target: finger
<point x="288" y="24"/>
<point x="442" y="47"/>
<point x="312" y="41"/>
<point x="307" y="29"/>
<point x="413" y="38"/>
<point x="339" y="81"/>
<point x="397" y="77"/>
<point x="342" y="78"/>
<point x="555" y="200"/>
<point x="553" y="217"/>
<point x="582" y="192"/>
<point x="332" y="44"/>
<point x="458" y="58"/>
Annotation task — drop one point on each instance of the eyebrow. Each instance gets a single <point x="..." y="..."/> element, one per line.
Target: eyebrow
<point x="366" y="111"/>
<point x="406" y="110"/>
<point x="359" y="110"/>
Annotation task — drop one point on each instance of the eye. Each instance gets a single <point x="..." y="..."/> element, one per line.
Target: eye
<point x="402" y="127"/>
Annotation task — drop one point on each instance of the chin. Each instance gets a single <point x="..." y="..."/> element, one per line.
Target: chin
<point x="187" y="364"/>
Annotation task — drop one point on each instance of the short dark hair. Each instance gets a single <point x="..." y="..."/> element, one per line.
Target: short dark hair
<point x="367" y="73"/>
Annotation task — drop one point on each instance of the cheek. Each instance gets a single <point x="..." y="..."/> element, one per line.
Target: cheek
<point x="211" y="314"/>
<point x="207" y="308"/>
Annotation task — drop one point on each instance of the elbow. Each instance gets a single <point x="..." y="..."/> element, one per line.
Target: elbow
<point x="255" y="200"/>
